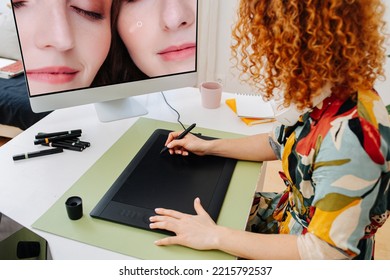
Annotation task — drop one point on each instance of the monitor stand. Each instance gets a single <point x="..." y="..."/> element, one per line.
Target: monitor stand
<point x="113" y="110"/>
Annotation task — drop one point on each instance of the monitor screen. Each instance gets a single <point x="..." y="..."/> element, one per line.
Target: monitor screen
<point x="77" y="52"/>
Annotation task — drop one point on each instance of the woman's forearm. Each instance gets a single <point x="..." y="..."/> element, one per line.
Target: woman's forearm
<point x="249" y="245"/>
<point x="253" y="148"/>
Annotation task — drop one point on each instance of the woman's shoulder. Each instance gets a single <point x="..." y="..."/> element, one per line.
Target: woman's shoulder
<point x="344" y="124"/>
<point x="371" y="126"/>
<point x="371" y="108"/>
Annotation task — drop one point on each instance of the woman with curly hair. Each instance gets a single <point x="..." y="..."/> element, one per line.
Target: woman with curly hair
<point x="323" y="57"/>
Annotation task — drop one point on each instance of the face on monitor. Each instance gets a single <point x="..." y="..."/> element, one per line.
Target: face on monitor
<point x="76" y="44"/>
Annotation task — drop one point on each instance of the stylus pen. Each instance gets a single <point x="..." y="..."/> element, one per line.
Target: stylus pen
<point x="38" y="153"/>
<point x="181" y="136"/>
<point x="42" y="135"/>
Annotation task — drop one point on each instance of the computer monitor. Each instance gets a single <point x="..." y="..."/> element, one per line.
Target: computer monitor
<point x="106" y="51"/>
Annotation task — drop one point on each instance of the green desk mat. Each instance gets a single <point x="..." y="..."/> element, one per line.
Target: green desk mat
<point x="132" y="241"/>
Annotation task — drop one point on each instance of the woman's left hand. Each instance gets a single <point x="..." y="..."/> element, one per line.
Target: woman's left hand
<point x="195" y="231"/>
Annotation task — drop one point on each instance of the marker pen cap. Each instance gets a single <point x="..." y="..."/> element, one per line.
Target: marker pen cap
<point x="74" y="207"/>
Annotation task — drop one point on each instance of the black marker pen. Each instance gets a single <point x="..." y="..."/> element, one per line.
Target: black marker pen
<point x="38" y="153"/>
<point x="76" y="142"/>
<point x="42" y="135"/>
<point x="56" y="138"/>
<point x="65" y="146"/>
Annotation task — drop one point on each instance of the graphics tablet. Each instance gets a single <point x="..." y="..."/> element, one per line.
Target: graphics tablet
<point x="154" y="180"/>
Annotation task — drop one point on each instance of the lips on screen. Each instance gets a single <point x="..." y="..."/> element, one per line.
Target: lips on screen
<point x="61" y="58"/>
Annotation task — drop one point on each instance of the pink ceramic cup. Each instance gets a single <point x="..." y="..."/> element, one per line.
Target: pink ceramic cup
<point x="211" y="93"/>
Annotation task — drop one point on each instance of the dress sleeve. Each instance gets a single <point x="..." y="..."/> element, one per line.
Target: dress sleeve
<point x="274" y="142"/>
<point x="346" y="180"/>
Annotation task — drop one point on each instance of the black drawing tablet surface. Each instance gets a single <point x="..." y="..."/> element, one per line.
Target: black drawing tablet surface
<point x="154" y="180"/>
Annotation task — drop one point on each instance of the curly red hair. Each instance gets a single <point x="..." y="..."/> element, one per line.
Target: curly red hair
<point x="299" y="46"/>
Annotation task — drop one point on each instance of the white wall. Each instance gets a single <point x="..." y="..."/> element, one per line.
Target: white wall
<point x="383" y="87"/>
<point x="229" y="77"/>
<point x="4" y="9"/>
<point x="225" y="71"/>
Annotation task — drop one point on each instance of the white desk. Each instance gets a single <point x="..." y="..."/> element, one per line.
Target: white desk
<point x="29" y="187"/>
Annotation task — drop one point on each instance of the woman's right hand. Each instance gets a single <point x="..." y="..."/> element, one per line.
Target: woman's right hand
<point x="190" y="143"/>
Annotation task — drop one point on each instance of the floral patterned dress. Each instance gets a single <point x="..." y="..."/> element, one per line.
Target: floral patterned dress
<point x="336" y="170"/>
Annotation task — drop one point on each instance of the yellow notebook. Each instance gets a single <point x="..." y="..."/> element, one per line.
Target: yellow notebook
<point x="249" y="121"/>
